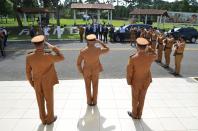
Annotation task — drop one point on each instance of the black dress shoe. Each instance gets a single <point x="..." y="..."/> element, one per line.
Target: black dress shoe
<point x="55" y="118"/>
<point x="166" y="66"/>
<point x="131" y="115"/>
<point x="176" y="74"/>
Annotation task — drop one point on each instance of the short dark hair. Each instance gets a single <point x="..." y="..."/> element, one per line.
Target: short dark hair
<point x="37" y="44"/>
<point x="141" y="47"/>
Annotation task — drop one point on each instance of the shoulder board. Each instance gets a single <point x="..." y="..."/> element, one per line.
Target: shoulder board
<point x="48" y="51"/>
<point x="81" y="50"/>
<point x="30" y="52"/>
<point x="132" y="55"/>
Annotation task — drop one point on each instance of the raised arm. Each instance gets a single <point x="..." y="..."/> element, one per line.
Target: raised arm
<point x="58" y="55"/>
<point x="104" y="48"/>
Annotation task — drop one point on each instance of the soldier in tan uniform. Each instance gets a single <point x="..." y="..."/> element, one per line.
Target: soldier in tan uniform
<point x="153" y="39"/>
<point x="89" y="66"/>
<point x="139" y="76"/>
<point x="81" y="32"/>
<point x="160" y="47"/>
<point x="168" y="43"/>
<point x="133" y="36"/>
<point x="148" y="34"/>
<point x="178" y="53"/>
<point x="41" y="74"/>
<point x="143" y="33"/>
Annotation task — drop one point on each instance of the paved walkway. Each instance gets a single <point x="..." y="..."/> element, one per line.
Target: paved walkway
<point x="171" y="104"/>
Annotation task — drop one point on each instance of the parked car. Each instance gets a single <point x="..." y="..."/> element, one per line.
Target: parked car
<point x="116" y="35"/>
<point x="189" y="33"/>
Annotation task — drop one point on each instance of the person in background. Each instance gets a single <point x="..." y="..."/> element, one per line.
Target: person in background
<point x="88" y="30"/>
<point x="133" y="36"/>
<point x="160" y="47"/>
<point x="81" y="32"/>
<point x="5" y="34"/>
<point x="111" y="32"/>
<point x="1" y="44"/>
<point x="121" y="34"/>
<point x="168" y="44"/>
<point x="105" y="33"/>
<point x="95" y="30"/>
<point x="46" y="32"/>
<point x="179" y="48"/>
<point x="32" y="31"/>
<point x="100" y="29"/>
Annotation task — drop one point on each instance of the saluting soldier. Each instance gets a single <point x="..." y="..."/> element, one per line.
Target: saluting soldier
<point x="160" y="46"/>
<point x="41" y="74"/>
<point x="178" y="53"/>
<point x="89" y="66"/>
<point x="143" y="33"/>
<point x="139" y="76"/>
<point x="168" y="43"/>
<point x="133" y="36"/>
<point x="148" y="34"/>
<point x="153" y="39"/>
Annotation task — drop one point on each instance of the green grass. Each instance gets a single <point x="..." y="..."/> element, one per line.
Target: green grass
<point x="13" y="36"/>
<point x="27" y="37"/>
<point x="13" y="23"/>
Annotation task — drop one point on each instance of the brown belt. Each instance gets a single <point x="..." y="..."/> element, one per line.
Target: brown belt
<point x="178" y="53"/>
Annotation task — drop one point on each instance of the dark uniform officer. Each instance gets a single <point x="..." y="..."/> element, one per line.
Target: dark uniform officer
<point x="41" y="74"/>
<point x="89" y="66"/>
<point x="139" y="76"/>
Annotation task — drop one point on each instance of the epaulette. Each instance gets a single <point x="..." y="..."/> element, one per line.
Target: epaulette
<point x="132" y="55"/>
<point x="30" y="52"/>
<point x="81" y="50"/>
<point x="48" y="51"/>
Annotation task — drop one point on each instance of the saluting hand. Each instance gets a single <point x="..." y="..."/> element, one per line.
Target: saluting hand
<point x="98" y="41"/>
<point x="49" y="45"/>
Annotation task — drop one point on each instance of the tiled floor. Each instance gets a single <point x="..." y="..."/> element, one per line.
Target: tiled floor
<point x="171" y="104"/>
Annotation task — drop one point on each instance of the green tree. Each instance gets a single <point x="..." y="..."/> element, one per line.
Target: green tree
<point x="5" y="8"/>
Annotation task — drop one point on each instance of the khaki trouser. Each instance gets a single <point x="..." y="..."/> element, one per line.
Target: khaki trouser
<point x="167" y="56"/>
<point x="93" y="80"/>
<point x="138" y="97"/>
<point x="45" y="95"/>
<point x="159" y="52"/>
<point x="178" y="59"/>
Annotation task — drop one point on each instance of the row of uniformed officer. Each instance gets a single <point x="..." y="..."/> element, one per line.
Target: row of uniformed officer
<point x="158" y="42"/>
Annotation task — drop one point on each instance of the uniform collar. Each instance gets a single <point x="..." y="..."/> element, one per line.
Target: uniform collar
<point x="39" y="50"/>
